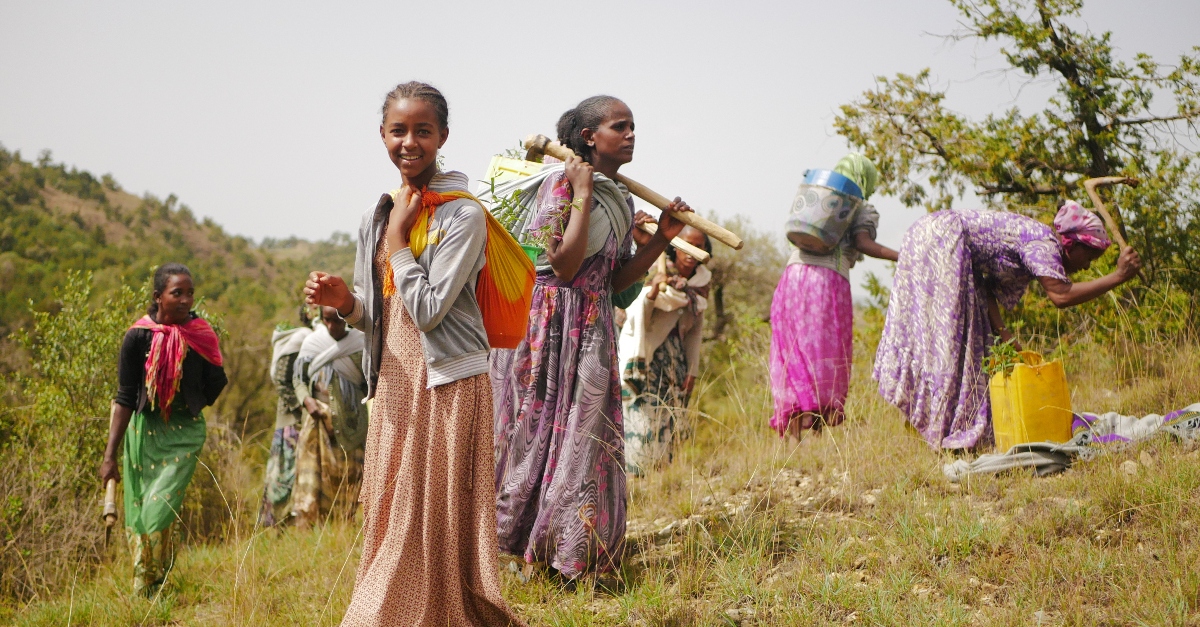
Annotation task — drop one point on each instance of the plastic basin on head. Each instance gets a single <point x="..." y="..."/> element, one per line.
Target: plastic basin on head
<point x="822" y="211"/>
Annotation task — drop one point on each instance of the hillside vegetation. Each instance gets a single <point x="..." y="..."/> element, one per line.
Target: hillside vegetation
<point x="854" y="527"/>
<point x="54" y="220"/>
<point x="857" y="526"/>
<point x="76" y="254"/>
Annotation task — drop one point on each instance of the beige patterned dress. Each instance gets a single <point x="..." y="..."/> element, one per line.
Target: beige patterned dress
<point x="428" y="493"/>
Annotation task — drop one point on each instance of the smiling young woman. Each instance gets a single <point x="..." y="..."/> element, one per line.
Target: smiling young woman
<point x="413" y="133"/>
<point x="428" y="494"/>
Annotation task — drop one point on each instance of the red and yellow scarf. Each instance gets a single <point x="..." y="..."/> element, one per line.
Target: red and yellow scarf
<point x="418" y="236"/>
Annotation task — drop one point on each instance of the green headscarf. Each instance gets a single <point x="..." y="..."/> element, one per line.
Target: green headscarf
<point x="859" y="169"/>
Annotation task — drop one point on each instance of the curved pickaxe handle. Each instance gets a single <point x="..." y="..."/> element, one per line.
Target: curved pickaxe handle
<point x="1091" y="184"/>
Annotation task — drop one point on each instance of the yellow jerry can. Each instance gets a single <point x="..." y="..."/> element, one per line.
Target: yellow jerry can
<point x="1031" y="403"/>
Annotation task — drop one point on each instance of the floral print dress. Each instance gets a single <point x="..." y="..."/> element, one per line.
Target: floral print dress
<point x="930" y="358"/>
<point x="560" y="475"/>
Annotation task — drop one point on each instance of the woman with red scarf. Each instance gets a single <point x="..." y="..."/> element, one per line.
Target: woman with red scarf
<point x="169" y="370"/>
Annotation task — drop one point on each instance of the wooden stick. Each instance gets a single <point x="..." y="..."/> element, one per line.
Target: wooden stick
<point x="1090" y="185"/>
<point x="700" y="254"/>
<point x="110" y="503"/>
<point x="542" y="144"/>
<point x="661" y="264"/>
<point x="109" y="514"/>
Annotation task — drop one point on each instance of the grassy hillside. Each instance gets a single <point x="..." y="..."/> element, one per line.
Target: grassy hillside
<point x="857" y="526"/>
<point x="54" y="220"/>
<point x="75" y="254"/>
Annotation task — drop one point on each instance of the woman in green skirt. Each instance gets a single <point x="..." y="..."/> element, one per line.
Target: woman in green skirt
<point x="169" y="370"/>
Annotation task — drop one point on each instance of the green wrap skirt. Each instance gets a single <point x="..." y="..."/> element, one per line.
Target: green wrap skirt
<point x="160" y="459"/>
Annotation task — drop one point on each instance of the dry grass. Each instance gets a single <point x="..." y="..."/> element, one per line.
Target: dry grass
<point x="857" y="526"/>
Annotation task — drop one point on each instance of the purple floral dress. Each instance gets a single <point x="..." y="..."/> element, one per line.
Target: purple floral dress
<point x="930" y="359"/>
<point x="560" y="476"/>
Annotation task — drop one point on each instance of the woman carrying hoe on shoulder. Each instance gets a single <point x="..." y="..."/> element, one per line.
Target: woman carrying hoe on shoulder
<point x="429" y="518"/>
<point x="560" y="474"/>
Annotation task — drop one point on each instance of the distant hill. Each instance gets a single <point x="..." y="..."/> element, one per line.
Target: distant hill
<point x="54" y="219"/>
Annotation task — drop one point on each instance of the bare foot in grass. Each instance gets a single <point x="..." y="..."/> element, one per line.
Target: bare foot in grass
<point x="795" y="434"/>
<point x="796" y="429"/>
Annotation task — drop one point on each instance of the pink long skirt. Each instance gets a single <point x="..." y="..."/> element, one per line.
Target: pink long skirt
<point x="811" y="346"/>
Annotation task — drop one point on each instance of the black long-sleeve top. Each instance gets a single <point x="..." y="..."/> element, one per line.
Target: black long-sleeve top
<point x="201" y="385"/>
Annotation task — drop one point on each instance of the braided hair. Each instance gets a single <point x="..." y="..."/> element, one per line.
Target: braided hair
<point x="588" y="114"/>
<point x="161" y="276"/>
<point x="419" y="91"/>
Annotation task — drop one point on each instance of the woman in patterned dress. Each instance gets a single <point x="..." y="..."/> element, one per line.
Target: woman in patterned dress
<point x="429" y="517"/>
<point x="560" y="467"/>
<point x="281" y="463"/>
<point x="956" y="269"/>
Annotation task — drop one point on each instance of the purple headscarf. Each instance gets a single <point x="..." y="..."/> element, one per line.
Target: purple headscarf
<point x="1076" y="224"/>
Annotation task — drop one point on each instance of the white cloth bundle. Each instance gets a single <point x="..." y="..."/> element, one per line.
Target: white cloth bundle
<point x="1094" y="434"/>
<point x="645" y="329"/>
<point x="614" y="216"/>
<point x="323" y="350"/>
<point x="286" y="342"/>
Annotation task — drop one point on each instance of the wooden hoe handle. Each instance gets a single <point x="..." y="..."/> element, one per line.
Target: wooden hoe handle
<point x="540" y="143"/>
<point x="110" y="503"/>
<point x="698" y="253"/>
<point x="109" y="514"/>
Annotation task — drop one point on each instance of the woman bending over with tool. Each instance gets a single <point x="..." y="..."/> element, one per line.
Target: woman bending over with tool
<point x="956" y="269"/>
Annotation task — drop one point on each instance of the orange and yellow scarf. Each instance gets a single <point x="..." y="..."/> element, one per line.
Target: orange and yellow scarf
<point x="504" y="289"/>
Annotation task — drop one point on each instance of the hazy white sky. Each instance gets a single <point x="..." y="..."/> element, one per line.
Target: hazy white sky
<point x="265" y="115"/>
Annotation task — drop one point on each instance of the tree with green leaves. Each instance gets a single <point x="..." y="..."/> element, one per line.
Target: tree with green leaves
<point x="1108" y="116"/>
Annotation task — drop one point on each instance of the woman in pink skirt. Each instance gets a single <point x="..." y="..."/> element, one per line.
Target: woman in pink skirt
<point x="812" y="318"/>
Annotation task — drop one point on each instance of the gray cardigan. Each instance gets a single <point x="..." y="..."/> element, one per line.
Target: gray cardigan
<point x="437" y="288"/>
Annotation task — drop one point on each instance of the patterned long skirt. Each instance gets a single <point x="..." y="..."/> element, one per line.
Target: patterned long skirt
<point x="655" y="408"/>
<point x="429" y="505"/>
<point x="812" y="347"/>
<point x="328" y="476"/>
<point x="930" y="357"/>
<point x="280" y="477"/>
<point x="560" y="463"/>
<point x="160" y="459"/>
